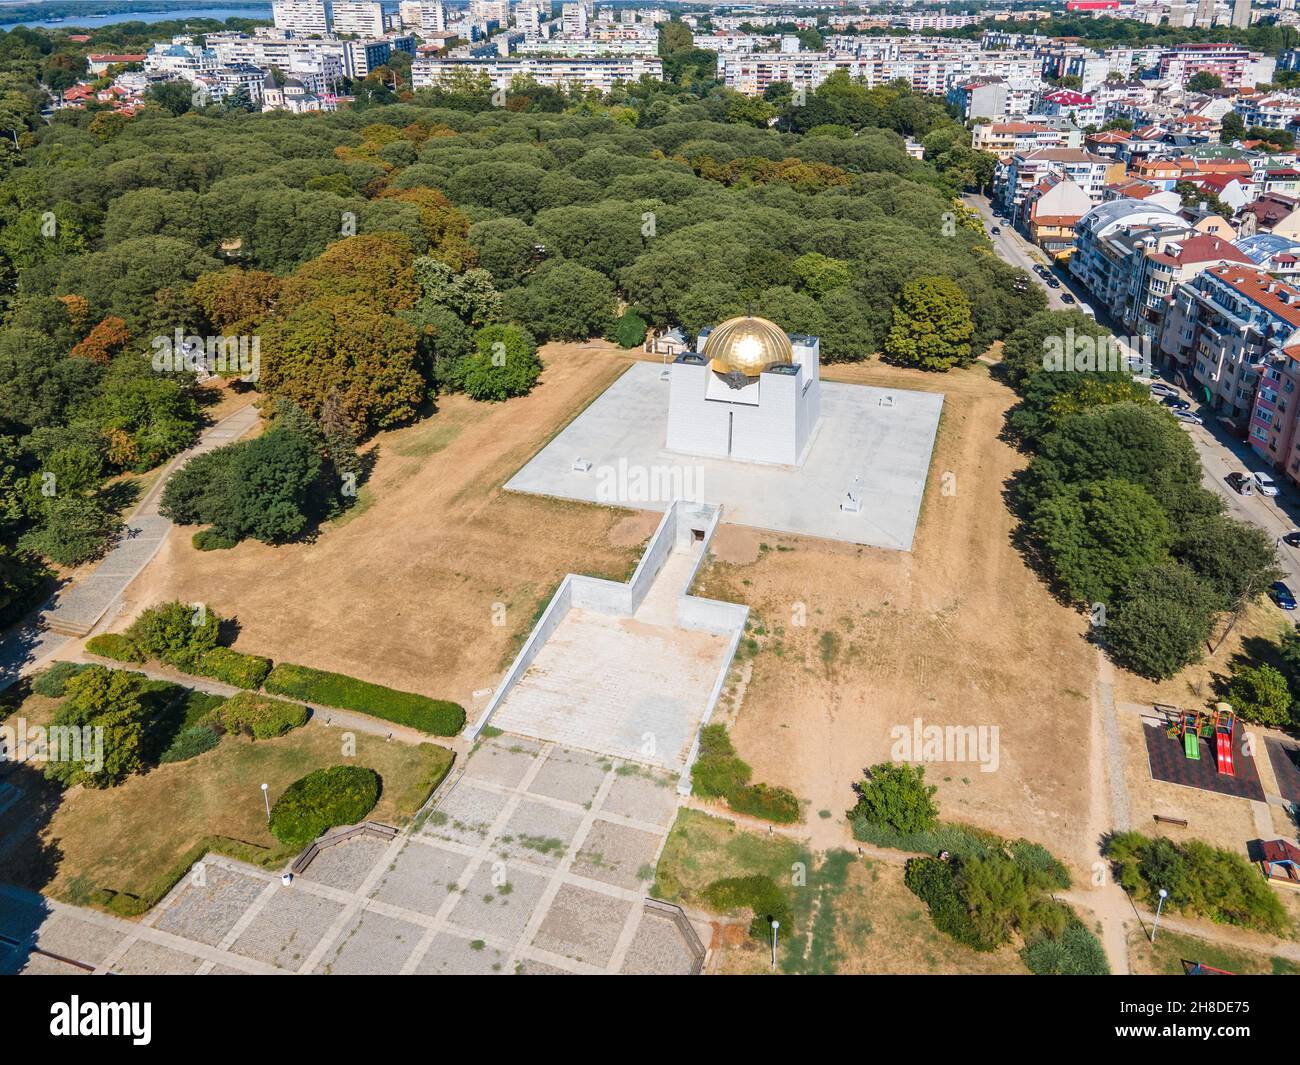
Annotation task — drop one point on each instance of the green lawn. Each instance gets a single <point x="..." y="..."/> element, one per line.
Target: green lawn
<point x="124" y="838"/>
<point x="851" y="915"/>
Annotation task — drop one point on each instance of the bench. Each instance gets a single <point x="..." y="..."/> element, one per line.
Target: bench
<point x="1181" y="822"/>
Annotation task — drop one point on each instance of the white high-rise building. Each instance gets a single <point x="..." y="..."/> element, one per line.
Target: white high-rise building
<point x="574" y="17"/>
<point x="301" y="16"/>
<point x="365" y="17"/>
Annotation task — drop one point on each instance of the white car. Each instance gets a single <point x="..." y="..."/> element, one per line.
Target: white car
<point x="1266" y="485"/>
<point x="1159" y="388"/>
<point x="1187" y="416"/>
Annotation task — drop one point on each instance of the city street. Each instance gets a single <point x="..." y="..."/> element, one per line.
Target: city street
<point x="1221" y="453"/>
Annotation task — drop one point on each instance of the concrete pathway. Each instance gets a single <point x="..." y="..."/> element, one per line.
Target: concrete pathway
<point x="77" y="608"/>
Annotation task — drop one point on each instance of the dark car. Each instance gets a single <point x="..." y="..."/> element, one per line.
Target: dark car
<point x="1292" y="539"/>
<point x="1281" y="595"/>
<point x="1066" y="298"/>
<point x="1174" y="403"/>
<point x="1052" y="282"/>
<point x="995" y="231"/>
<point x="1240" y="483"/>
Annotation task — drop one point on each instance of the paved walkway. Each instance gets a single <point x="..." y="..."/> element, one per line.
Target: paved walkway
<point x="536" y="859"/>
<point x="77" y="608"/>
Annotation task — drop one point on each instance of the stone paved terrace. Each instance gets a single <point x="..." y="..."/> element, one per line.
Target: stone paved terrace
<point x="536" y="860"/>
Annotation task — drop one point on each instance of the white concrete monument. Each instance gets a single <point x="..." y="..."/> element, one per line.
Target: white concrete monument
<point x="749" y="392"/>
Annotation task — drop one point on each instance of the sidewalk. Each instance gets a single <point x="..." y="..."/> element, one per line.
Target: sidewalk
<point x="78" y="607"/>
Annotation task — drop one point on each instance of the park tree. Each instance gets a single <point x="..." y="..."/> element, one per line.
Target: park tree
<point x="932" y="325"/>
<point x="349" y="348"/>
<point x="1162" y="622"/>
<point x="565" y="301"/>
<point x="504" y="363"/>
<point x="1098" y="535"/>
<point x="896" y="796"/>
<point x="106" y="699"/>
<point x="1259" y="694"/>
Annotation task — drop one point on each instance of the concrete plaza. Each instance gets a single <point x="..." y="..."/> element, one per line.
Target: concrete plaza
<point x="873" y="442"/>
<point x="537" y="859"/>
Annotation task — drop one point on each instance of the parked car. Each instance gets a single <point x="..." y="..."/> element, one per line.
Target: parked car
<point x="1159" y="388"/>
<point x="996" y="231"/>
<point x="1266" y="485"/>
<point x="1188" y="417"/>
<point x="1175" y="403"/>
<point x="1052" y="282"/>
<point x="1240" y="483"/>
<point x="1281" y="595"/>
<point x="1067" y="298"/>
<point x="1292" y="539"/>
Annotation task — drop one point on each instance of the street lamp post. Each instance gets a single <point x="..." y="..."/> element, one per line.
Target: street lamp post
<point x="266" y="799"/>
<point x="775" y="927"/>
<point x="1155" y="925"/>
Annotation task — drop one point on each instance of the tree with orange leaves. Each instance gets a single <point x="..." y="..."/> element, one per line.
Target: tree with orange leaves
<point x="103" y="342"/>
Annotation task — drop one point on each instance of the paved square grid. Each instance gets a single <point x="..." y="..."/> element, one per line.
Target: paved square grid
<point x="874" y="440"/>
<point x="537" y="860"/>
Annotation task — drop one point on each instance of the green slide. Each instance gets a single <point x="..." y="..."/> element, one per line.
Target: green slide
<point x="1192" y="746"/>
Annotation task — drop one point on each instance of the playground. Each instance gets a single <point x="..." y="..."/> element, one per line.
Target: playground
<point x="1205" y="750"/>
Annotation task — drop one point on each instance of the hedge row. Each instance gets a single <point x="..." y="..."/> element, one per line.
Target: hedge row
<point x="233" y="667"/>
<point x="261" y="717"/>
<point x="115" y="646"/>
<point x="435" y="716"/>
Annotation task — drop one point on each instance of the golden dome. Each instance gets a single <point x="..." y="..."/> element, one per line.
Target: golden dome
<point x="747" y="345"/>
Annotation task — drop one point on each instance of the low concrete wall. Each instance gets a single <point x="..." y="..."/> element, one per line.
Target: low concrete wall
<point x="710" y="615"/>
<point x="551" y="617"/>
<point x="684" y="781"/>
<point x="656" y="554"/>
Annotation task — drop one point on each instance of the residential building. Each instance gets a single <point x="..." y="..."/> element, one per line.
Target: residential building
<point x="588" y="73"/>
<point x="365" y="17"/>
<point x="301" y="16"/>
<point x="1271" y="213"/>
<point x="1219" y="329"/>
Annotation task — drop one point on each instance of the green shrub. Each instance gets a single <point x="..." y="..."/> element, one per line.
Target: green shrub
<point x="190" y="743"/>
<point x="1075" y="952"/>
<point x="212" y="540"/>
<point x="325" y="799"/>
<point x="717" y="771"/>
<point x="1040" y="865"/>
<point x="1203" y="880"/>
<point x="934" y="882"/>
<point x="897" y="796"/>
<point x="232" y="667"/>
<point x="770" y="803"/>
<point x="757" y="893"/>
<point x="115" y="646"/>
<point x="53" y="683"/>
<point x="438" y="717"/>
<point x="258" y="716"/>
<point x="955" y="839"/>
<point x="176" y="633"/>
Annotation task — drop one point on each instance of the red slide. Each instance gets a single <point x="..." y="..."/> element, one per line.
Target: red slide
<point x="1224" y="751"/>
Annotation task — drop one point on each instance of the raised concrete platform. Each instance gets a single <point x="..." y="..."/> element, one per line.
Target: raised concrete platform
<point x="872" y="442"/>
<point x="628" y="671"/>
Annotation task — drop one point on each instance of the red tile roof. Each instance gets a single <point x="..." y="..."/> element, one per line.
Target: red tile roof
<point x="1264" y="290"/>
